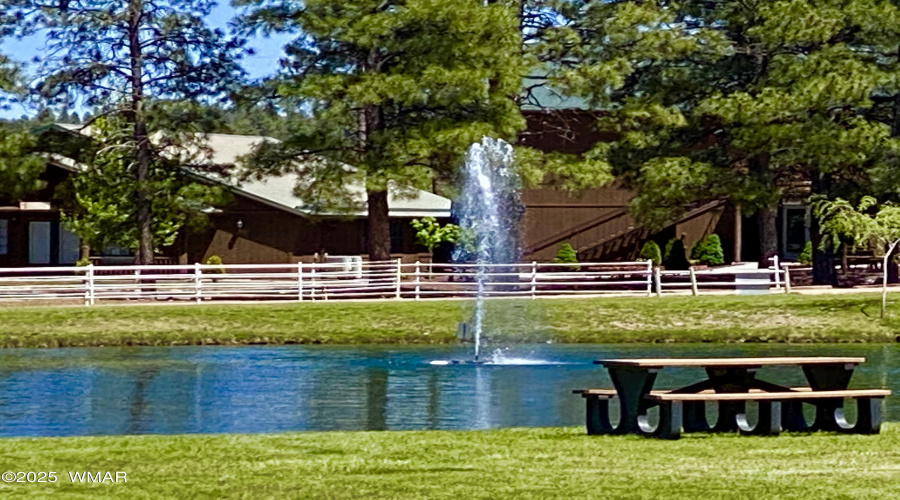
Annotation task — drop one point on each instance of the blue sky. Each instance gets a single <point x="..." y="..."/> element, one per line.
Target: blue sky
<point x="263" y="63"/>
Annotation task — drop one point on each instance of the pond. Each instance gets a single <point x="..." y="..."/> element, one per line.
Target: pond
<point x="94" y="391"/>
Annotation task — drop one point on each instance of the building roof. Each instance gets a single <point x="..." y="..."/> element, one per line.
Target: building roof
<point x="278" y="191"/>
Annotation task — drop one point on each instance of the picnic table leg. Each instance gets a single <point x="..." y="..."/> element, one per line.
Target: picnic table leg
<point x="671" y="419"/>
<point x="632" y="385"/>
<point x="695" y="416"/>
<point x="792" y="416"/>
<point x="768" y="423"/>
<point x="828" y="378"/>
<point x="868" y="416"/>
<point x="730" y="380"/>
<point x="597" y="417"/>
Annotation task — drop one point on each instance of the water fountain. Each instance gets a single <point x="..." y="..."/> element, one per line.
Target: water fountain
<point x="489" y="212"/>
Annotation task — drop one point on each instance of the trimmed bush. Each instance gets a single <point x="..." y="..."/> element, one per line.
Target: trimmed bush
<point x="709" y="251"/>
<point x="214" y="260"/>
<point x="650" y="251"/>
<point x="805" y="256"/>
<point x="566" y="255"/>
<point x="675" y="258"/>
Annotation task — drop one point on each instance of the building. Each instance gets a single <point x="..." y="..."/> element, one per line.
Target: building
<point x="597" y="222"/>
<point x="264" y="221"/>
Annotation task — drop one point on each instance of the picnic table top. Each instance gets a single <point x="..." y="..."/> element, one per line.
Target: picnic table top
<point x="727" y="362"/>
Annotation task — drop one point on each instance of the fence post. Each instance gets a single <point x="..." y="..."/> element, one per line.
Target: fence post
<point x="300" y="282"/>
<point x="657" y="276"/>
<point x="777" y="277"/>
<point x="90" y="285"/>
<point x="399" y="277"/>
<point x="649" y="278"/>
<point x="694" y="289"/>
<point x="198" y="282"/>
<point x="417" y="280"/>
<point x="787" y="279"/>
<point x="312" y="286"/>
<point x="533" y="279"/>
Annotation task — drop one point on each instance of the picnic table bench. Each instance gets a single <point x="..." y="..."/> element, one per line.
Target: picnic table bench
<point x="731" y="383"/>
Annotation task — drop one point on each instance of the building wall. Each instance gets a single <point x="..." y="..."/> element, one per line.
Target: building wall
<point x="584" y="220"/>
<point x="595" y="222"/>
<point x="269" y="235"/>
<point x="568" y="131"/>
<point x="19" y="219"/>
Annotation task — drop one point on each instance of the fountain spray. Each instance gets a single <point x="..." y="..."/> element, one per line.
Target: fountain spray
<point x="488" y="212"/>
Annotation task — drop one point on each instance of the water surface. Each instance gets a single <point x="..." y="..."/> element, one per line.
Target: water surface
<point x="148" y="390"/>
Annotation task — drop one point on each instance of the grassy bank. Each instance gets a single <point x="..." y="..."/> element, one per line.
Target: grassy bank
<point x="513" y="463"/>
<point x="773" y="318"/>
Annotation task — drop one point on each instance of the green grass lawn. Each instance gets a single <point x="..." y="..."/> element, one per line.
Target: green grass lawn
<point x="770" y="318"/>
<point x="511" y="463"/>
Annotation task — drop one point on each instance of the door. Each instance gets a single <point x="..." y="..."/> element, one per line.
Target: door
<point x="39" y="242"/>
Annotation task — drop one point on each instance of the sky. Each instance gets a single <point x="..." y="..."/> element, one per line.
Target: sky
<point x="264" y="62"/>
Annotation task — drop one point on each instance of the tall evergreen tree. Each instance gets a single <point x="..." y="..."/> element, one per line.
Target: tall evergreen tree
<point x="734" y="100"/>
<point x="98" y="207"/>
<point x="20" y="168"/>
<point x="397" y="90"/>
<point x="115" y="57"/>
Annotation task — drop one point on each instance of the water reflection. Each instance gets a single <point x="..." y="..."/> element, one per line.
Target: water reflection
<point x="270" y="389"/>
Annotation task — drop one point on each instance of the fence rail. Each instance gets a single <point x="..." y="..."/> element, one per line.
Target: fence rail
<point x="366" y="280"/>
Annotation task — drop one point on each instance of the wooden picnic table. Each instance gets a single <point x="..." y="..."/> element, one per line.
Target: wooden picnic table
<point x="634" y="380"/>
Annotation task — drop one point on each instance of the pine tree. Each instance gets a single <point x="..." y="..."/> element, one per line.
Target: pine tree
<point x="397" y="90"/>
<point x="114" y="57"/>
<point x="98" y="206"/>
<point x="566" y="255"/>
<point x="20" y="165"/>
<point x="734" y="100"/>
<point x="20" y="168"/>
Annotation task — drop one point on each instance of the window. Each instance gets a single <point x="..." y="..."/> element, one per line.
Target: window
<point x="4" y="236"/>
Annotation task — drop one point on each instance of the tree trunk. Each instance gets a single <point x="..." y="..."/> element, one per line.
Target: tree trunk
<point x="84" y="251"/>
<point x="768" y="234"/>
<point x="141" y="144"/>
<point x="845" y="264"/>
<point x="379" y="226"/>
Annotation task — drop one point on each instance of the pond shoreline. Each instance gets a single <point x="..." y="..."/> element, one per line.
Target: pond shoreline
<point x="840" y="318"/>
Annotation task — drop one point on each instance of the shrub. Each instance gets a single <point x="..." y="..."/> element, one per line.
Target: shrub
<point x="650" y="251"/>
<point x="566" y="255"/>
<point x="215" y="260"/>
<point x="709" y="251"/>
<point x="805" y="256"/>
<point x="675" y="258"/>
<point x="430" y="234"/>
<point x="83" y="262"/>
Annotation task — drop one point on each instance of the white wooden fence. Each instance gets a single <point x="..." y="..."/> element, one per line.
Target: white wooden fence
<point x="362" y="280"/>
